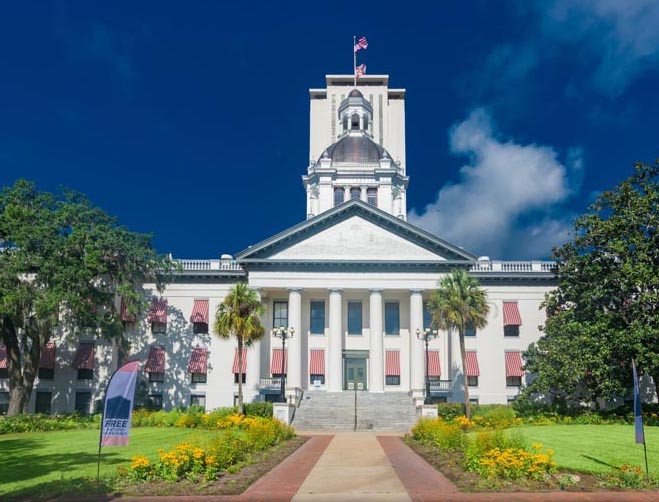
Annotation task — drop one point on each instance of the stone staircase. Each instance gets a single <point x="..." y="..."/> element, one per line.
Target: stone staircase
<point x="390" y="411"/>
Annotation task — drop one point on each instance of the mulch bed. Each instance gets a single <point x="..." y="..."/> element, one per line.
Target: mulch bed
<point x="227" y="484"/>
<point x="450" y="464"/>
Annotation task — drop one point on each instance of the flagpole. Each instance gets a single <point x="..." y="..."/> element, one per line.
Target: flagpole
<point x="354" y="62"/>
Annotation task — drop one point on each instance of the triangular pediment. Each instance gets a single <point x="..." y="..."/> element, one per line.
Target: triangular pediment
<point x="355" y="231"/>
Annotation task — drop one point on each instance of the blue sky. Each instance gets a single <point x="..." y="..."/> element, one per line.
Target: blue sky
<point x="190" y="120"/>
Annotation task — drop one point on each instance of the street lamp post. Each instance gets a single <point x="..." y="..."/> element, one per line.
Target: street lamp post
<point x="426" y="335"/>
<point x="284" y="334"/>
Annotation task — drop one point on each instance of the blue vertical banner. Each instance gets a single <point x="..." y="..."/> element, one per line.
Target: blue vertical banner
<point x="118" y="406"/>
<point x="638" y="409"/>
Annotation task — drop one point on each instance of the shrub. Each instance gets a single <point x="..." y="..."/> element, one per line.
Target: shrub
<point x="442" y="434"/>
<point x="450" y="411"/>
<point x="36" y="422"/>
<point x="258" y="409"/>
<point x="232" y="446"/>
<point x="515" y="463"/>
<point x="495" y="416"/>
<point x="485" y="441"/>
<point x="626" y="476"/>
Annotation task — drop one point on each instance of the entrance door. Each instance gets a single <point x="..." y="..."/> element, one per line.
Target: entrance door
<point x="355" y="374"/>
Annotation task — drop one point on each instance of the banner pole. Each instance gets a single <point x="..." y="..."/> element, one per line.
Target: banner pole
<point x="100" y="433"/>
<point x="647" y="471"/>
<point x="354" y="61"/>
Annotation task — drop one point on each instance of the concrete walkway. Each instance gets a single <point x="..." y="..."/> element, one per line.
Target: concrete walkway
<point x="354" y="466"/>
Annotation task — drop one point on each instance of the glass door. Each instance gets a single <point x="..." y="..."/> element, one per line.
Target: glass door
<point x="355" y="374"/>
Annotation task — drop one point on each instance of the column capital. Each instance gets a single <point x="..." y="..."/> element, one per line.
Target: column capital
<point x="294" y="290"/>
<point x="416" y="290"/>
<point x="335" y="290"/>
<point x="375" y="290"/>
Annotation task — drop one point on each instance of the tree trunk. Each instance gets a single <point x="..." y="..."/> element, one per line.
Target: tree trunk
<point x="241" y="408"/>
<point x="22" y="363"/>
<point x="465" y="383"/>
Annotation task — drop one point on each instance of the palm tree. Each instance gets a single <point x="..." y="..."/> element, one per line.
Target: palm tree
<point x="239" y="316"/>
<point x="459" y="303"/>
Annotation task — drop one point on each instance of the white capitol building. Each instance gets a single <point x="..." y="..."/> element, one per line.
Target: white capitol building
<point x="351" y="279"/>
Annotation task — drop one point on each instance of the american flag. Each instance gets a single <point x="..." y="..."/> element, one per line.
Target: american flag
<point x="362" y="43"/>
<point x="360" y="70"/>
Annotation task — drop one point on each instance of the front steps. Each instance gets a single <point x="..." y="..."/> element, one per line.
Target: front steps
<point x="389" y="411"/>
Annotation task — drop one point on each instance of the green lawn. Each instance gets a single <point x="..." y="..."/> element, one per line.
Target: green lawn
<point x="596" y="448"/>
<point x="40" y="462"/>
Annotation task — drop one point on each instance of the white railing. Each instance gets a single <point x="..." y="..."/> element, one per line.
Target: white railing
<point x="513" y="266"/>
<point x="208" y="265"/>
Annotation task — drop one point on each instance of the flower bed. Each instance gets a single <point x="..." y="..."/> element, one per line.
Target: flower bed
<point x="240" y="437"/>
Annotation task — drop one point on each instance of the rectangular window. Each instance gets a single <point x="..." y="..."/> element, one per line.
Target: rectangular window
<point x="198" y="400"/>
<point x="277" y="375"/>
<point x="156" y="377"/>
<point x="355" y="193"/>
<point x="354" y="318"/>
<point x="320" y="378"/>
<point x="280" y="315"/>
<point x="391" y="318"/>
<point x="473" y="401"/>
<point x="513" y="381"/>
<point x="235" y="377"/>
<point x="511" y="330"/>
<point x="198" y="377"/>
<point x="84" y="374"/>
<point x="392" y="380"/>
<point x="200" y="328"/>
<point x="4" y="402"/>
<point x="317" y="320"/>
<point x="510" y="400"/>
<point x="472" y="381"/>
<point x="155" y="402"/>
<point x="339" y="193"/>
<point x="158" y="327"/>
<point x="43" y="401"/>
<point x="372" y="196"/>
<point x="470" y="330"/>
<point x="46" y="373"/>
<point x="427" y="318"/>
<point x="4" y="373"/>
<point x="83" y="402"/>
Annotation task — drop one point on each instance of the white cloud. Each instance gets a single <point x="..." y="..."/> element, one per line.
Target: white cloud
<point x="503" y="183"/>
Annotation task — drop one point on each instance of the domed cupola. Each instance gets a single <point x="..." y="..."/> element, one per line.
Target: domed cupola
<point x="357" y="148"/>
<point x="356" y="113"/>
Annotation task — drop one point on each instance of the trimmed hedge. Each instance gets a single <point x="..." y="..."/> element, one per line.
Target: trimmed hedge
<point x="192" y="417"/>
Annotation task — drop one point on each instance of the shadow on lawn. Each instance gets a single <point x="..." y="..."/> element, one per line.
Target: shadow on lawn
<point x="20" y="460"/>
<point x="598" y="461"/>
<point x="65" y="487"/>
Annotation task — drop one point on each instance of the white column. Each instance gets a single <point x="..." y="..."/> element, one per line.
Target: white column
<point x="294" y="373"/>
<point x="417" y="354"/>
<point x="376" y="355"/>
<point x="335" y="343"/>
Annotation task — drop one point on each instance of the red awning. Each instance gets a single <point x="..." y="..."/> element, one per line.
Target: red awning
<point x="472" y="369"/>
<point x="392" y="363"/>
<point x="275" y="364"/>
<point x="199" y="311"/>
<point x="235" y="362"/>
<point x="514" y="365"/>
<point x="316" y="362"/>
<point x="434" y="369"/>
<point x="511" y="315"/>
<point x="84" y="358"/>
<point x="198" y="361"/>
<point x="47" y="360"/>
<point x="125" y="316"/>
<point x="155" y="363"/>
<point x="3" y="357"/>
<point x="158" y="310"/>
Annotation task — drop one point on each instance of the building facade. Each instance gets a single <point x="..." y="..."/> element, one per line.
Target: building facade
<point x="351" y="279"/>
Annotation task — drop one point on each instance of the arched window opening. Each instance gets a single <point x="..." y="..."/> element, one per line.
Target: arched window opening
<point x="354" y="122"/>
